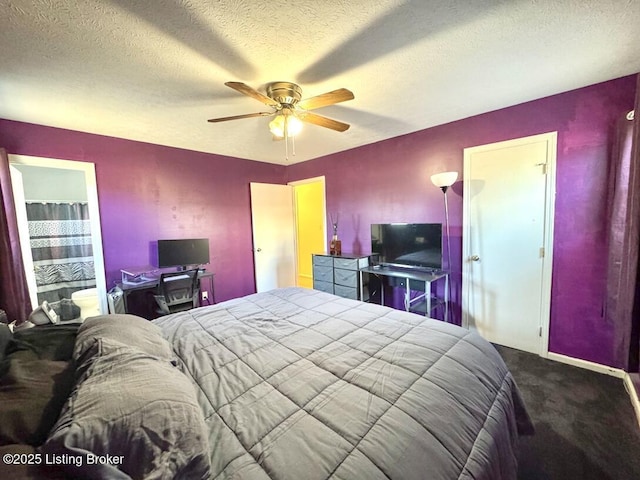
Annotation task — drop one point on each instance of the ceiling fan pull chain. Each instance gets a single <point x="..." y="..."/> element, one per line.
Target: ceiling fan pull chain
<point x="286" y="138"/>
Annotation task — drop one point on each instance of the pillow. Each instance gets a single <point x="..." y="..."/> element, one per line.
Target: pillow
<point x="32" y="393"/>
<point x="66" y="309"/>
<point x="48" y="342"/>
<point x="36" y="379"/>
<point x="5" y="336"/>
<point x="39" y="317"/>
<point x="24" y="471"/>
<point x="132" y="408"/>
<point x="130" y="330"/>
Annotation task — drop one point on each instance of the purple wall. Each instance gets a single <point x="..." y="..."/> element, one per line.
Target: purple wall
<point x="147" y="192"/>
<point x="389" y="182"/>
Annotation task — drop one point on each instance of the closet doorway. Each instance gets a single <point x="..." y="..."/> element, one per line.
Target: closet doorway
<point x="59" y="224"/>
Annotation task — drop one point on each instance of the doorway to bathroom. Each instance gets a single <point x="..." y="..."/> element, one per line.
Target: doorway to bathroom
<point x="59" y="224"/>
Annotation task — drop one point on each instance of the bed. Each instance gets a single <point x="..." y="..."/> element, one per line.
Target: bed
<point x="288" y="384"/>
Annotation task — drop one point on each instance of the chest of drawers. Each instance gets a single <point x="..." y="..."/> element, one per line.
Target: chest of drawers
<point x="339" y="274"/>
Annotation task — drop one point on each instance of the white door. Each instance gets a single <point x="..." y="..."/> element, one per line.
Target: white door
<point x="274" y="251"/>
<point x="509" y="191"/>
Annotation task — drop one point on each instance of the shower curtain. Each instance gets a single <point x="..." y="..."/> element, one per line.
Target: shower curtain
<point x="60" y="237"/>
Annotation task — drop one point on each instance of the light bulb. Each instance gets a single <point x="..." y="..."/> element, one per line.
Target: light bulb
<point x="444" y="179"/>
<point x="294" y="125"/>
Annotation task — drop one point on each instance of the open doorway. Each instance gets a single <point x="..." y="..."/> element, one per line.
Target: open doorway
<point x="288" y="225"/>
<point x="59" y="224"/>
<point x="310" y="226"/>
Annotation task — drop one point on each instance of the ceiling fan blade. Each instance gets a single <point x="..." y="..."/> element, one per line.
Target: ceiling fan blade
<point x="237" y="117"/>
<point x="329" y="98"/>
<point x="322" y="121"/>
<point x="247" y="90"/>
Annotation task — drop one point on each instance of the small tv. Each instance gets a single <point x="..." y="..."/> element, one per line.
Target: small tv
<point x="410" y="245"/>
<point x="183" y="253"/>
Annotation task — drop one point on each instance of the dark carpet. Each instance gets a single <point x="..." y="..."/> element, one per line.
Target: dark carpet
<point x="586" y="427"/>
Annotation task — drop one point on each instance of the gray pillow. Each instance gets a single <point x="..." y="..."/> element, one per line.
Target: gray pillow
<point x="130" y="330"/>
<point x="135" y="409"/>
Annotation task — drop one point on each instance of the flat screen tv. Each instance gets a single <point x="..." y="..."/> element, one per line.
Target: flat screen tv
<point x="183" y="252"/>
<point x="415" y="245"/>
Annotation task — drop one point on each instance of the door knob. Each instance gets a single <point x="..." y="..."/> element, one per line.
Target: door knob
<point x="474" y="258"/>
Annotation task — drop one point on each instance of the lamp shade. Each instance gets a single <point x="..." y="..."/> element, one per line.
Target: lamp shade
<point x="444" y="179"/>
<point x="294" y="125"/>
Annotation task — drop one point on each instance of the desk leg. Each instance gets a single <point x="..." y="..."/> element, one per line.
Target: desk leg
<point x="446" y="298"/>
<point x="125" y="294"/>
<point x="427" y="291"/>
<point x="213" y="291"/>
<point x="407" y="295"/>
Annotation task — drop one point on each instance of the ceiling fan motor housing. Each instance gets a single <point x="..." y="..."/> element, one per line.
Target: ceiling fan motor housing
<point x="286" y="93"/>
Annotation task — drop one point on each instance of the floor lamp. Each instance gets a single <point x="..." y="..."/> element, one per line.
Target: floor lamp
<point x="444" y="181"/>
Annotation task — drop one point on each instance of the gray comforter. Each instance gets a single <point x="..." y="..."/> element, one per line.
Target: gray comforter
<point x="299" y="384"/>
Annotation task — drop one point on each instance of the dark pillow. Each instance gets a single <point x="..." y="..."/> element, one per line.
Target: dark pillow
<point x="130" y="330"/>
<point x="136" y="409"/>
<point x="5" y="336"/>
<point x="24" y="471"/>
<point x="36" y="378"/>
<point x="32" y="393"/>
<point x="48" y="342"/>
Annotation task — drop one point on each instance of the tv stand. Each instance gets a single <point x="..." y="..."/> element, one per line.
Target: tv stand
<point x="421" y="280"/>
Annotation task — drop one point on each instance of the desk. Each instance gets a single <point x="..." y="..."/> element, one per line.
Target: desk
<point x="129" y="288"/>
<point x="422" y="278"/>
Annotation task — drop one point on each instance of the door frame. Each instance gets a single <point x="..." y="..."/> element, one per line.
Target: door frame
<point x="91" y="185"/>
<point x="296" y="227"/>
<point x="551" y="138"/>
<point x="322" y="180"/>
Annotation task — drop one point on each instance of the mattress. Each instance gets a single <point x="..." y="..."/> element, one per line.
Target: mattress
<point x="301" y="384"/>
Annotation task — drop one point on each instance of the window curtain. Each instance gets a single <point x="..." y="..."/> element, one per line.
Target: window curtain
<point x="14" y="293"/>
<point x="60" y="236"/>
<point x="623" y="241"/>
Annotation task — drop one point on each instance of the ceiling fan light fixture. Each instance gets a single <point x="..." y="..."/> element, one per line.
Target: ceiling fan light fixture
<point x="285" y="98"/>
<point x="277" y="125"/>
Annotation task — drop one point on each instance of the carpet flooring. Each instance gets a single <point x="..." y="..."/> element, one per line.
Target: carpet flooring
<point x="586" y="427"/>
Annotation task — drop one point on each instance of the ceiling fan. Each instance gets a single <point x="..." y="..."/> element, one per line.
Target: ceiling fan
<point x="285" y="98"/>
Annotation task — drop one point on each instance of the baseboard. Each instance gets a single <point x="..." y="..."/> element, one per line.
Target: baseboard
<point x="597" y="367"/>
<point x="633" y="394"/>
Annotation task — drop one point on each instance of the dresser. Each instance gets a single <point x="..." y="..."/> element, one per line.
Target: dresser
<point x="339" y="274"/>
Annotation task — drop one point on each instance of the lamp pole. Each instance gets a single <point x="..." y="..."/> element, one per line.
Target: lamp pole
<point x="444" y="181"/>
<point x="446" y="221"/>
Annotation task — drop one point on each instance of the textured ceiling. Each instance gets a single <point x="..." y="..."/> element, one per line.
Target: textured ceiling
<point x="154" y="70"/>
